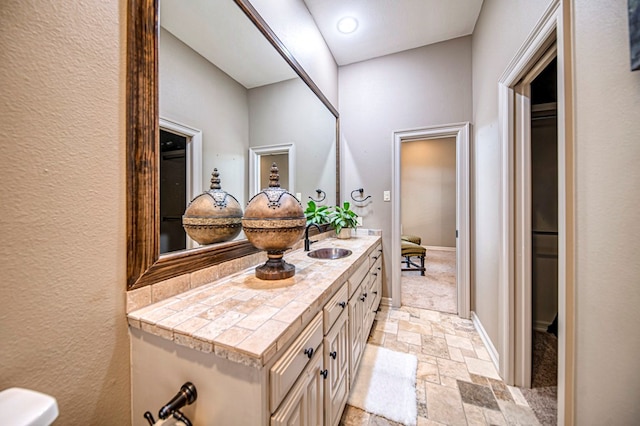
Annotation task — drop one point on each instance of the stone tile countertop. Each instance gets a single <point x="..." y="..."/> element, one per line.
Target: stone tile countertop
<point x="248" y="320"/>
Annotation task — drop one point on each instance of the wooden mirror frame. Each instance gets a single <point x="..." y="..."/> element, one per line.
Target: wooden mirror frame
<point x="144" y="264"/>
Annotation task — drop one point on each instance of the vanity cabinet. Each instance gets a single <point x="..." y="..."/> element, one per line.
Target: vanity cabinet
<point x="304" y="404"/>
<point x="303" y="378"/>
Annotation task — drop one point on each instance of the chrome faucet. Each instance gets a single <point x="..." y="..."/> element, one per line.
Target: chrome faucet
<point x="307" y="242"/>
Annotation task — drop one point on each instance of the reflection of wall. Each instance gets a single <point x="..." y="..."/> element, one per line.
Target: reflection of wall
<point x="196" y="93"/>
<point x="288" y="112"/>
<point x="428" y="182"/>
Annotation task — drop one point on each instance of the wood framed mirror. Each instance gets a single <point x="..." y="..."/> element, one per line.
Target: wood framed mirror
<point x="145" y="264"/>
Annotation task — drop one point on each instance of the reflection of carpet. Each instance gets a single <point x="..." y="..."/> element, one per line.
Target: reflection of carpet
<point x="436" y="290"/>
<point x="386" y="384"/>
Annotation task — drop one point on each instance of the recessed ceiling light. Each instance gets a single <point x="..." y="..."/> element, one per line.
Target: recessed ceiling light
<point x="347" y="25"/>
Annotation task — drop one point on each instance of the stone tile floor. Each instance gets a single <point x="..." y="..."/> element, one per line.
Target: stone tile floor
<point x="457" y="384"/>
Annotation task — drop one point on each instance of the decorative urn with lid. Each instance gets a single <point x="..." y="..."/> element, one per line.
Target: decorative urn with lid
<point x="213" y="216"/>
<point x="274" y="221"/>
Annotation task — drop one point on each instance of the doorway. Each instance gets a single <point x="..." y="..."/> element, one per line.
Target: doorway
<point x="428" y="206"/>
<point x="515" y="317"/>
<point x="461" y="133"/>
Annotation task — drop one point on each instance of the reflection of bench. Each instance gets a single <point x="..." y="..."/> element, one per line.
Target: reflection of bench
<point x="411" y="247"/>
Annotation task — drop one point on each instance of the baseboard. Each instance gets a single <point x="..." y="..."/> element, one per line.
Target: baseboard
<point x="438" y="248"/>
<point x="493" y="353"/>
<point x="541" y="326"/>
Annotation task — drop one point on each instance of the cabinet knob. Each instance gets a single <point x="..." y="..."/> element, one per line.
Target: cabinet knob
<point x="375" y="292"/>
<point x="379" y="267"/>
<point x="375" y="274"/>
<point x="342" y="304"/>
<point x="365" y="294"/>
<point x="333" y="354"/>
<point x="309" y="352"/>
<point x="324" y="373"/>
<point x="362" y="298"/>
<point x="376" y="257"/>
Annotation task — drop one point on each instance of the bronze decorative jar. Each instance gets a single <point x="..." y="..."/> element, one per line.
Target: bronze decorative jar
<point x="274" y="221"/>
<point x="213" y="216"/>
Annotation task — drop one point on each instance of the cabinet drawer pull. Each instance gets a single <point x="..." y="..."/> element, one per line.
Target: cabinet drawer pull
<point x="333" y="354"/>
<point x="375" y="292"/>
<point x="324" y="373"/>
<point x="362" y="298"/>
<point x="365" y="294"/>
<point x="342" y="304"/>
<point x="375" y="274"/>
<point x="378" y="268"/>
<point x="376" y="257"/>
<point x="309" y="352"/>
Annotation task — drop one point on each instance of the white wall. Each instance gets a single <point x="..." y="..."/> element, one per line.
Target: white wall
<point x="607" y="98"/>
<point x="428" y="186"/>
<point x="295" y="27"/>
<point x="196" y="93"/>
<point x="63" y="326"/>
<point x="416" y="88"/>
<point x="501" y="29"/>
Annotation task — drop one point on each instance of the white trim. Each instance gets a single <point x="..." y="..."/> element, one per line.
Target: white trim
<point x="194" y="161"/>
<point x="438" y="248"/>
<point x="493" y="353"/>
<point x="254" y="165"/>
<point x="461" y="131"/>
<point x="385" y="301"/>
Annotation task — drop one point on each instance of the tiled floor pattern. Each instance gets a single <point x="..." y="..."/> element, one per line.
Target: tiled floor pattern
<point x="457" y="383"/>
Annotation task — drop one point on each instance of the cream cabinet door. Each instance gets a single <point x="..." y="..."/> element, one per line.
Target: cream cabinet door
<point x="304" y="406"/>
<point x="336" y="362"/>
<point x="356" y="323"/>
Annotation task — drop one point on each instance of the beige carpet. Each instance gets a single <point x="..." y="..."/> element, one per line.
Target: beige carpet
<point x="437" y="289"/>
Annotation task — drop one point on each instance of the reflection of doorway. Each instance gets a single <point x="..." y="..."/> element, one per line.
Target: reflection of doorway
<point x="173" y="192"/>
<point x="428" y="206"/>
<point x="460" y="132"/>
<point x="180" y="181"/>
<point x="260" y="160"/>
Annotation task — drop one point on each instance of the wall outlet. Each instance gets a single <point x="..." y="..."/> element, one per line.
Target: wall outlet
<point x="299" y="196"/>
<point x="386" y="195"/>
<point x="359" y="220"/>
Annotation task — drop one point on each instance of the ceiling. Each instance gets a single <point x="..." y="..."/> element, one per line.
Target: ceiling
<point x="390" y="26"/>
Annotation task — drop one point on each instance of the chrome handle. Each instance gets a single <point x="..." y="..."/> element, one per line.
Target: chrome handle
<point x="333" y="354"/>
<point x="309" y="352"/>
<point x="324" y="373"/>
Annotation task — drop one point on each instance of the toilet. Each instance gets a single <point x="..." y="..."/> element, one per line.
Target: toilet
<point x="24" y="407"/>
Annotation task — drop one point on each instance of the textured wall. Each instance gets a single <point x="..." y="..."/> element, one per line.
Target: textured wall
<point x="428" y="186"/>
<point x="607" y="227"/>
<point x="501" y="29"/>
<point x="62" y="323"/>
<point x="416" y="88"/>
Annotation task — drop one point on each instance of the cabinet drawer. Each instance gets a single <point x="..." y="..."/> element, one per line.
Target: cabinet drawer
<point x="335" y="307"/>
<point x="287" y="369"/>
<point x="357" y="276"/>
<point x="375" y="255"/>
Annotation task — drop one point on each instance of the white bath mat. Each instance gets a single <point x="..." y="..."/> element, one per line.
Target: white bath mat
<point x="386" y="385"/>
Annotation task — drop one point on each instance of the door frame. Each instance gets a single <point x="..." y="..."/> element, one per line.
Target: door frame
<point x="514" y="313"/>
<point x="254" y="165"/>
<point x="462" y="133"/>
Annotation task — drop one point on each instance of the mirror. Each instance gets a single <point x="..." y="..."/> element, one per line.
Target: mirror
<point x="281" y="105"/>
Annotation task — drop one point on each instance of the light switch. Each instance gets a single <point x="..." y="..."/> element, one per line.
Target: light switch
<point x="299" y="196"/>
<point x="359" y="220"/>
<point x="386" y="196"/>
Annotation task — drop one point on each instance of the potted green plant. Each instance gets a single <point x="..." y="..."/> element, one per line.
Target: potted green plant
<point x="316" y="214"/>
<point x="343" y="219"/>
